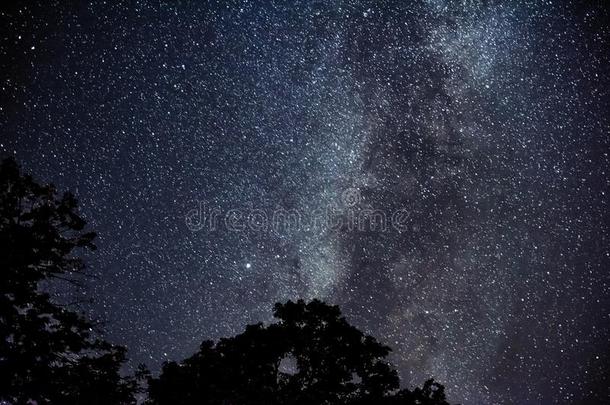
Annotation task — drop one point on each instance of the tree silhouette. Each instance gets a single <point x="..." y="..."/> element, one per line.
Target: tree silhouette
<point x="48" y="353"/>
<point x="332" y="363"/>
<point x="51" y="355"/>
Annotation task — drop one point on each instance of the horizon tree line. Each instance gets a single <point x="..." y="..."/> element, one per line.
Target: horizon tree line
<point x="52" y="354"/>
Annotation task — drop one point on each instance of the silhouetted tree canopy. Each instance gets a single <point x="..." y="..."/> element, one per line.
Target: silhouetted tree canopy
<point x="310" y="356"/>
<point x="48" y="353"/>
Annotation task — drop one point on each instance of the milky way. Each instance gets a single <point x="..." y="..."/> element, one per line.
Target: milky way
<point x="485" y="122"/>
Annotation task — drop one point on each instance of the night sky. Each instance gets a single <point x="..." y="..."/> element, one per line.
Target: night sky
<point x="486" y="124"/>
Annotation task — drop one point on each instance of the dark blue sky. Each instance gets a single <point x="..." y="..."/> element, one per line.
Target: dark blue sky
<point x="486" y="122"/>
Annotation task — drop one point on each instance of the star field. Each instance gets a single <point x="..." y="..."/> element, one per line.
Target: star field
<point x="486" y="122"/>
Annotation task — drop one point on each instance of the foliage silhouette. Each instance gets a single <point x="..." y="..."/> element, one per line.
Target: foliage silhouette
<point x="333" y="363"/>
<point x="48" y="353"/>
<point x="51" y="355"/>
